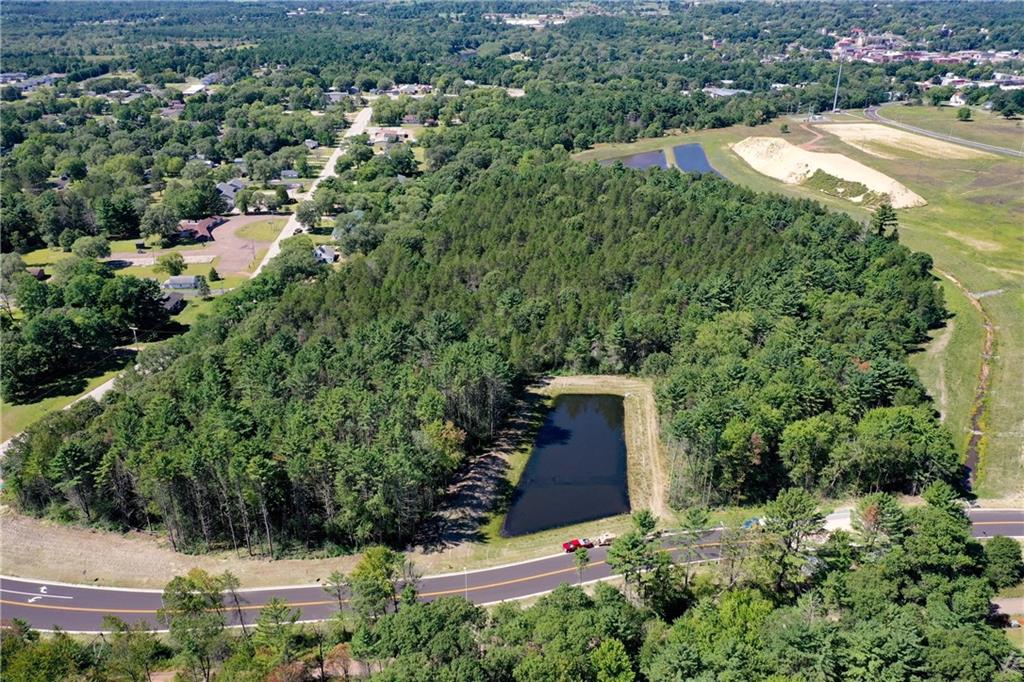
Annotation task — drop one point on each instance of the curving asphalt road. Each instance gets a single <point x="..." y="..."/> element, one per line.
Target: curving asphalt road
<point x="81" y="608"/>
<point x="873" y="114"/>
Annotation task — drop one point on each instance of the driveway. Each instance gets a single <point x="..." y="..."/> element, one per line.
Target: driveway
<point x="359" y="124"/>
<point x="234" y="253"/>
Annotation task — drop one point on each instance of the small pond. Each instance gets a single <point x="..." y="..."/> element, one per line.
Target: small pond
<point x="692" y="159"/>
<point x="655" y="159"/>
<point x="577" y="470"/>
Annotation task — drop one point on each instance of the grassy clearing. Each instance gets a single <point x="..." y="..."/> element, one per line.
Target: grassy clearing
<point x="971" y="228"/>
<point x="194" y="308"/>
<point x="985" y="127"/>
<point x="950" y="363"/>
<point x="262" y="230"/>
<point x="151" y="272"/>
<point x="43" y="257"/>
<point x="17" y="418"/>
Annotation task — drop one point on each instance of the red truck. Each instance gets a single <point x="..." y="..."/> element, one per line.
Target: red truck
<point x="574" y="544"/>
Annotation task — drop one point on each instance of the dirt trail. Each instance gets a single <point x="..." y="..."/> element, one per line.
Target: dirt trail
<point x="936" y="349"/>
<point x="810" y="144"/>
<point x="981" y="392"/>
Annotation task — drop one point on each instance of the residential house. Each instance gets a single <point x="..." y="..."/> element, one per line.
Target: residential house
<point x="199" y="230"/>
<point x="389" y="135"/>
<point x="173" y="303"/>
<point x="411" y="119"/>
<point x="289" y="174"/>
<point x="37" y="273"/>
<point x="311" y="144"/>
<point x="229" y="189"/>
<point x="325" y="254"/>
<point x="957" y="100"/>
<point x="717" y="93"/>
<point x="181" y="282"/>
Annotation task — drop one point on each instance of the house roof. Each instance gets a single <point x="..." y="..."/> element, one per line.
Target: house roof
<point x="172" y="301"/>
<point x="188" y="280"/>
<point x="201" y="228"/>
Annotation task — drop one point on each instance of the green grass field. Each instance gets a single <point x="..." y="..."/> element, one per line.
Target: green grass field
<point x="971" y="228"/>
<point x="16" y="418"/>
<point x="985" y="127"/>
<point x="128" y="245"/>
<point x="262" y="230"/>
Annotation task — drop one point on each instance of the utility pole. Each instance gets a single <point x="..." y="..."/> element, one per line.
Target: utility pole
<point x="835" y="100"/>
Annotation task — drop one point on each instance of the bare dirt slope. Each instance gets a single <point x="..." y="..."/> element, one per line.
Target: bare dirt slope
<point x="777" y="158"/>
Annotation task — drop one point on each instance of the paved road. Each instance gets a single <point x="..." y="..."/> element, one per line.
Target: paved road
<point x="873" y="113"/>
<point x="358" y="127"/>
<point x="81" y="608"/>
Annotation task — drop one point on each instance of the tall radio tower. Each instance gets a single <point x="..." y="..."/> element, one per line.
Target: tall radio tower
<point x="835" y="100"/>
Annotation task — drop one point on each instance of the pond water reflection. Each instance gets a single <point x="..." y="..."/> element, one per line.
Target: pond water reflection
<point x="577" y="470"/>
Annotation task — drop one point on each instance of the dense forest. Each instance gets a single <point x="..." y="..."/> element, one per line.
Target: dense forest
<point x="318" y="407"/>
<point x="904" y="596"/>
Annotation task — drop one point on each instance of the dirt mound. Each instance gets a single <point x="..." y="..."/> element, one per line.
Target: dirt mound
<point x="777" y="158"/>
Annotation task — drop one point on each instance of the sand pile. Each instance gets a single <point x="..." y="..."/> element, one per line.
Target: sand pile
<point x="777" y="158"/>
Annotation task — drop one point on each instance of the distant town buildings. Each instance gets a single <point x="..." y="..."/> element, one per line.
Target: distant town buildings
<point x="23" y="82"/>
<point x="534" y="21"/>
<point x="888" y="47"/>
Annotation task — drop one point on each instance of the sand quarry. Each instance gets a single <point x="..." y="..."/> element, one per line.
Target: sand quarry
<point x="777" y="158"/>
<point x="888" y="143"/>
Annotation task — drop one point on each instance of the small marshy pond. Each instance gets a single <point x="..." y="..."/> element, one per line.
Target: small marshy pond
<point x="577" y="469"/>
<point x="692" y="159"/>
<point x="640" y="161"/>
<point x="689" y="158"/>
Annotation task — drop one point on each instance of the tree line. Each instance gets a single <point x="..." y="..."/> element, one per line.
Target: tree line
<point x="317" y="408"/>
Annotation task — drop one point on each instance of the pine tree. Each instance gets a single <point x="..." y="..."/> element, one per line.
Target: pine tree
<point x="884" y="219"/>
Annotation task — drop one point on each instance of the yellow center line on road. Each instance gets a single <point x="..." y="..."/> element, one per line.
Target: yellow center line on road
<point x="324" y="602"/>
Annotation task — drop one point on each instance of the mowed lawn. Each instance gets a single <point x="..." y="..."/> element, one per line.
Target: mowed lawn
<point x="984" y="126"/>
<point x="262" y="230"/>
<point x="17" y="418"/>
<point x="971" y="228"/>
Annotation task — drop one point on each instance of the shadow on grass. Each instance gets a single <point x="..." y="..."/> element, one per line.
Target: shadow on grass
<point x="73" y="384"/>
